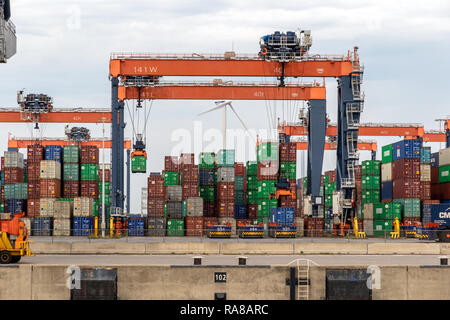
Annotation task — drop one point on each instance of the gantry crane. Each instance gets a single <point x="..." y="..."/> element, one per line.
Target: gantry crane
<point x="138" y="76"/>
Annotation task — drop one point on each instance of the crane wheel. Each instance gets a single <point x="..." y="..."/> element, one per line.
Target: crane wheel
<point x="5" y="257"/>
<point x="15" y="259"/>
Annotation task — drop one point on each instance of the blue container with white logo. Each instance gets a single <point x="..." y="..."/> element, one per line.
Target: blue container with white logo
<point x="54" y="153"/>
<point x="437" y="213"/>
<point x="240" y="212"/>
<point x="282" y="216"/>
<point x="15" y="206"/>
<point x="136" y="227"/>
<point x="406" y="149"/>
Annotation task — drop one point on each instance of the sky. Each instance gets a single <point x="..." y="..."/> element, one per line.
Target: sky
<point x="64" y="47"/>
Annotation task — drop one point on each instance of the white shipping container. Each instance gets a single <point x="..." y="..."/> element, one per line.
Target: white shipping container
<point x="47" y="207"/>
<point x="63" y="209"/>
<point x="61" y="227"/>
<point x="107" y="166"/>
<point x="444" y="157"/>
<point x="50" y="169"/>
<point x="300" y="227"/>
<point x="337" y="206"/>
<point x="83" y="207"/>
<point x="368" y="227"/>
<point x="425" y="172"/>
<point x="386" y="172"/>
<point x="13" y="159"/>
<point x="307" y="206"/>
<point x="368" y="211"/>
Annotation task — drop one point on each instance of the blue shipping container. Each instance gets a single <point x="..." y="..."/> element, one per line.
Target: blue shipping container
<point x="406" y="149"/>
<point x="434" y="160"/>
<point x="425" y="155"/>
<point x="386" y="190"/>
<point x="282" y="216"/>
<point x="136" y="227"/>
<point x="42" y="226"/>
<point x="82" y="226"/>
<point x="440" y="213"/>
<point x="53" y="153"/>
<point x="206" y="177"/>
<point x="240" y="212"/>
<point x="15" y="206"/>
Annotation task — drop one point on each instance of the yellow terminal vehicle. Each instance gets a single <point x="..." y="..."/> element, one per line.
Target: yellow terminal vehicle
<point x="14" y="243"/>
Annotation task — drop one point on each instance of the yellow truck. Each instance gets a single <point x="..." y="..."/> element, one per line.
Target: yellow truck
<point x="14" y="243"/>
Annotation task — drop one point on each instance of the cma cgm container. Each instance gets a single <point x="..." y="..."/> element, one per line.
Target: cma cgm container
<point x="407" y="149"/>
<point x="438" y="213"/>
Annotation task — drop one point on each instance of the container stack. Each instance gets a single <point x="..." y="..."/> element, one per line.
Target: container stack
<point x="268" y="168"/>
<point x="252" y="189"/>
<point x="71" y="172"/>
<point x="372" y="213"/>
<point x="406" y="176"/>
<point x="62" y="217"/>
<point x="329" y="186"/>
<point x="192" y="206"/>
<point x="35" y="154"/>
<point x="173" y="206"/>
<point x="425" y="174"/>
<point x="207" y="182"/>
<point x="83" y="211"/>
<point x="15" y="189"/>
<point x="443" y="189"/>
<point x="288" y="170"/>
<point x="89" y="168"/>
<point x="240" y="208"/>
<point x="107" y="168"/>
<point x="156" y="193"/>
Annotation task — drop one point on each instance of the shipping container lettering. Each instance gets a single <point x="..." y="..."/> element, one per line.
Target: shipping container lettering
<point x="145" y="69"/>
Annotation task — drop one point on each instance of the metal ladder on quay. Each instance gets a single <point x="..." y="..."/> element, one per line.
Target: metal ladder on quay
<point x="303" y="280"/>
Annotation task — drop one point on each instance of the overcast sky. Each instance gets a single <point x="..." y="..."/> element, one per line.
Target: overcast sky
<point x="63" y="49"/>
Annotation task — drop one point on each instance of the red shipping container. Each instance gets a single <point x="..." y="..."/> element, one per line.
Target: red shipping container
<point x="268" y="170"/>
<point x="284" y="151"/>
<point x="292" y="151"/>
<point x="189" y="191"/>
<point x="34" y="171"/>
<point x="225" y="208"/>
<point x="209" y="209"/>
<point x="71" y="189"/>
<point x="358" y="172"/>
<point x="171" y="163"/>
<point x="225" y="191"/>
<point x="406" y="188"/>
<point x="331" y="176"/>
<point x="33" y="208"/>
<point x="35" y="153"/>
<point x="434" y="175"/>
<point x="155" y="186"/>
<point x="210" y="220"/>
<point x="441" y="191"/>
<point x="425" y="191"/>
<point x="34" y="189"/>
<point x="189" y="174"/>
<point x="194" y="226"/>
<point x="239" y="169"/>
<point x="431" y="202"/>
<point x="107" y="175"/>
<point x="313" y="227"/>
<point x="155" y="207"/>
<point x="252" y="211"/>
<point x="50" y="188"/>
<point x="3" y="162"/>
<point x="406" y="168"/>
<point x="13" y="175"/>
<point x="187" y="158"/>
<point x="89" y="189"/>
<point x="89" y="154"/>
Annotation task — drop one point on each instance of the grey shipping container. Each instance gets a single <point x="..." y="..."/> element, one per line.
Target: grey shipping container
<point x="47" y="207"/>
<point x="13" y="159"/>
<point x="61" y="227"/>
<point x="225" y="174"/>
<point x="174" y="193"/>
<point x="300" y="227"/>
<point x="156" y="226"/>
<point x="194" y="207"/>
<point x="83" y="207"/>
<point x="368" y="226"/>
<point x="174" y="209"/>
<point x="63" y="209"/>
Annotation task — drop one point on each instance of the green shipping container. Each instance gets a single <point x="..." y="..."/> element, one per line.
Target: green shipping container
<point x="238" y="183"/>
<point x="170" y="178"/>
<point x="71" y="172"/>
<point x="239" y="198"/>
<point x="382" y="228"/>
<point x="107" y="187"/>
<point x="266" y="188"/>
<point x="175" y="227"/>
<point x="326" y="179"/>
<point x="370" y="196"/>
<point x="207" y="193"/>
<point x="252" y="168"/>
<point x="328" y="200"/>
<point x="392" y="211"/>
<point x="386" y="154"/>
<point x="71" y="154"/>
<point x="252" y="183"/>
<point x="411" y="207"/>
<point x="444" y="174"/>
<point x="288" y="170"/>
<point x="25" y="177"/>
<point x="264" y="207"/>
<point x="2" y="207"/>
<point x="252" y="197"/>
<point x="89" y="172"/>
<point x="370" y="168"/>
<point x="225" y="158"/>
<point x="206" y="160"/>
<point x="267" y="151"/>
<point x="9" y="191"/>
<point x="20" y="191"/>
<point x="371" y="182"/>
<point x="378" y="212"/>
<point x="329" y="188"/>
<point x="138" y="164"/>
